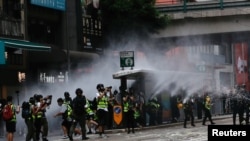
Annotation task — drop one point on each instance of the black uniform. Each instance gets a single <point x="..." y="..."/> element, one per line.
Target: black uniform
<point x="199" y="101"/>
<point x="238" y="108"/>
<point x="153" y="109"/>
<point x="188" y="112"/>
<point x="246" y="103"/>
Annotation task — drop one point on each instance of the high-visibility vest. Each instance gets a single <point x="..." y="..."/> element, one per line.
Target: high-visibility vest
<point x="14" y="113"/>
<point x="208" y="105"/>
<point x="136" y="114"/>
<point x="102" y="103"/>
<point x="69" y="110"/>
<point x="88" y="109"/>
<point x="125" y="106"/>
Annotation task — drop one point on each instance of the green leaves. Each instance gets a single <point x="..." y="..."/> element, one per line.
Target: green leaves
<point x="137" y="16"/>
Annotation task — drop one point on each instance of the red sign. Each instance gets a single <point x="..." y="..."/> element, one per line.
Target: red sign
<point x="241" y="64"/>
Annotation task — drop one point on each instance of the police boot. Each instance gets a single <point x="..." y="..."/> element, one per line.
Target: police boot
<point x="203" y="122"/>
<point x="70" y="138"/>
<point x="128" y="131"/>
<point x="211" y="121"/>
<point x="45" y="139"/>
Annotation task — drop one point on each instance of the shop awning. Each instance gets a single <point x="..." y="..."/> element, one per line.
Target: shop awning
<point x="23" y="44"/>
<point x="131" y="74"/>
<point x="58" y="55"/>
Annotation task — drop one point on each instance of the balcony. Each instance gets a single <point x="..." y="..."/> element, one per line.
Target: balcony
<point x="10" y="28"/>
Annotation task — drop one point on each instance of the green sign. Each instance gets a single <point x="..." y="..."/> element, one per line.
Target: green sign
<point x="2" y="53"/>
<point x="201" y="68"/>
<point x="127" y="59"/>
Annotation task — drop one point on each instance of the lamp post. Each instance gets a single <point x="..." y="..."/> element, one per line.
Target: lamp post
<point x="67" y="42"/>
<point x="68" y="60"/>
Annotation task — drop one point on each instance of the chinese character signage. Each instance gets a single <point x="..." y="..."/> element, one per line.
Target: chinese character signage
<point x="54" y="4"/>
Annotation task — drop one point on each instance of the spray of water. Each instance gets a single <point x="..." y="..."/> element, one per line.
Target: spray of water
<point x="169" y="74"/>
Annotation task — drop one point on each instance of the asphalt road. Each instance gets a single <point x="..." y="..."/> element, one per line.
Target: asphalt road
<point x="166" y="132"/>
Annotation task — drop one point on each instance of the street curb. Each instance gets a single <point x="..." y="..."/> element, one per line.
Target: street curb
<point x="166" y="125"/>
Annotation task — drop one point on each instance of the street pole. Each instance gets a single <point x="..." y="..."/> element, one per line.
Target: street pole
<point x="68" y="42"/>
<point x="17" y="94"/>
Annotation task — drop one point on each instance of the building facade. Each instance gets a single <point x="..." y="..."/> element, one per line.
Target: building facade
<point x="51" y="24"/>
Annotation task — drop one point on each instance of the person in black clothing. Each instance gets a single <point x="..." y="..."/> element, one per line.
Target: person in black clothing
<point x="110" y="107"/>
<point x="175" y="110"/>
<point x="29" y="121"/>
<point x="247" y="107"/>
<point x="246" y="102"/>
<point x="141" y="106"/>
<point x="67" y="98"/>
<point x="247" y="112"/>
<point x="188" y="112"/>
<point x="3" y="102"/>
<point x="237" y="103"/>
<point x="237" y="106"/>
<point x="79" y="114"/>
<point x="129" y="105"/>
<point x="199" y="101"/>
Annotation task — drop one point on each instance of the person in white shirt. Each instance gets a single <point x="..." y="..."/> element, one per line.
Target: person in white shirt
<point x="102" y="109"/>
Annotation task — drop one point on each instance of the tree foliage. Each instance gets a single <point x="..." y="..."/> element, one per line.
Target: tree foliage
<point x="121" y="17"/>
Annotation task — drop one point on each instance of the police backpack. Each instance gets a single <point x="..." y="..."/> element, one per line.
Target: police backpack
<point x="26" y="112"/>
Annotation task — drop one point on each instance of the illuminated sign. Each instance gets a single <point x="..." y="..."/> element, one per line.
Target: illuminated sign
<point x="21" y="76"/>
<point x="127" y="59"/>
<point x="54" y="4"/>
<point x="53" y="78"/>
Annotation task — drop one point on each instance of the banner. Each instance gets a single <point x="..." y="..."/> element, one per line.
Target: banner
<point x="117" y="114"/>
<point x="241" y="64"/>
<point x="54" y="4"/>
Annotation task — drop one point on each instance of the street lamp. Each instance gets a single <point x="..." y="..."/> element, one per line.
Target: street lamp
<point x="68" y="42"/>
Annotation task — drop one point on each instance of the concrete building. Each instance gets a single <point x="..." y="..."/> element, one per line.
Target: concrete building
<point x="48" y="37"/>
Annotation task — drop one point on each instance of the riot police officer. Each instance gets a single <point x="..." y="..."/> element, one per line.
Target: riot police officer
<point x="188" y="112"/>
<point x="207" y="112"/>
<point x="237" y="102"/>
<point x="153" y="109"/>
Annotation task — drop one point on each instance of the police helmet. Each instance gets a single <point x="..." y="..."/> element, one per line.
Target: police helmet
<point x="32" y="100"/>
<point x="100" y="87"/>
<point x="79" y="91"/>
<point x="66" y="94"/>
